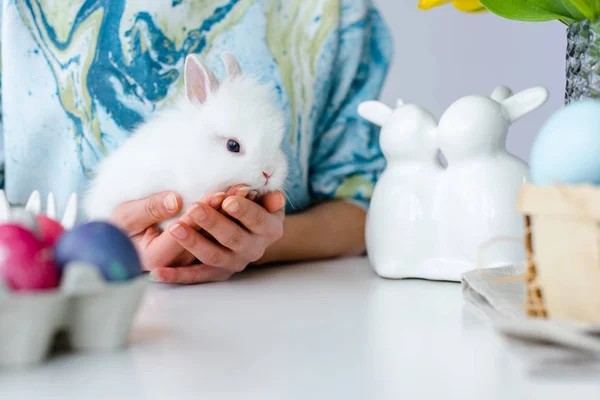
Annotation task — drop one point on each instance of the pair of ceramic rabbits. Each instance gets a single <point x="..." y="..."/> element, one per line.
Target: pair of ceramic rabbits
<point x="427" y="221"/>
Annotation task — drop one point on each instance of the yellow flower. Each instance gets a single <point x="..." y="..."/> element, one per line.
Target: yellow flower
<point x="470" y="6"/>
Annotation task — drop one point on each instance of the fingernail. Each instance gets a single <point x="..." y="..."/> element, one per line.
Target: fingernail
<point x="243" y="192"/>
<point x="231" y="205"/>
<point x="178" y="231"/>
<point x="217" y="199"/>
<point x="198" y="214"/>
<point x="192" y="207"/>
<point x="252" y="195"/>
<point x="171" y="202"/>
<point x="153" y="276"/>
<point x="281" y="200"/>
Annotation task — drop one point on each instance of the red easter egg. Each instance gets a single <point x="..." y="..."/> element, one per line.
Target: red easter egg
<point x="25" y="263"/>
<point x="50" y="230"/>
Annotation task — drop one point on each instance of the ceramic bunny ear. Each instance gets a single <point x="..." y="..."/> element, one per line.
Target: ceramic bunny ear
<point x="232" y="65"/>
<point x="375" y="112"/>
<point x="200" y="81"/>
<point x="524" y="102"/>
<point x="501" y="93"/>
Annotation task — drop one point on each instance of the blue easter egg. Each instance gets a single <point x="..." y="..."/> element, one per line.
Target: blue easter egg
<point x="102" y="245"/>
<point x="567" y="148"/>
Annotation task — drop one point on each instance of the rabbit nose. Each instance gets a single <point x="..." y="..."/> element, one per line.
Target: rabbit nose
<point x="267" y="175"/>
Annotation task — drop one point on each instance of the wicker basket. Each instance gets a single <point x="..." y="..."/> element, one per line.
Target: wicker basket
<point x="563" y="251"/>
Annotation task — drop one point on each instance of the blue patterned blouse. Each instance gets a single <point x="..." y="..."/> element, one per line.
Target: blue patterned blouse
<point x="79" y="75"/>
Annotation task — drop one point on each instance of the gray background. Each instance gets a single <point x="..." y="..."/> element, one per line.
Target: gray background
<point x="443" y="54"/>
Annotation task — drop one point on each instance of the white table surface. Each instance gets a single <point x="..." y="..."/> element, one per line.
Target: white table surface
<point x="330" y="330"/>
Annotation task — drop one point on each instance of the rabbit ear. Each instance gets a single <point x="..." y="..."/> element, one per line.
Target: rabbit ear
<point x="501" y="93"/>
<point x="375" y="112"/>
<point x="232" y="65"/>
<point x="524" y="102"/>
<point x="200" y="81"/>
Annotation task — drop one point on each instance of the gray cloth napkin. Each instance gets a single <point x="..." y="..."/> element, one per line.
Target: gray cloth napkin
<point x="542" y="344"/>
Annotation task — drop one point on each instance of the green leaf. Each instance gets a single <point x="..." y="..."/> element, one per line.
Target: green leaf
<point x="556" y="7"/>
<point x="585" y="7"/>
<point x="520" y="10"/>
<point x="576" y="14"/>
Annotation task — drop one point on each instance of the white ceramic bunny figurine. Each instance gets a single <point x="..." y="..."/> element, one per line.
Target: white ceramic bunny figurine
<point x="477" y="196"/>
<point x="399" y="226"/>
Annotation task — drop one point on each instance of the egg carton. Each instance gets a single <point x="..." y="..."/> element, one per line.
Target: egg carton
<point x="34" y="206"/>
<point x="94" y="314"/>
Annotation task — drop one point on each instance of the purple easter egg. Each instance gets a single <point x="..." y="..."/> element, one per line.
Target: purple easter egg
<point x="25" y="263"/>
<point x="103" y="245"/>
<point x="50" y="230"/>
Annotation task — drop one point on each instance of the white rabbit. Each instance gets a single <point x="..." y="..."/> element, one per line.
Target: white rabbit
<point x="477" y="198"/>
<point x="399" y="228"/>
<point x="219" y="134"/>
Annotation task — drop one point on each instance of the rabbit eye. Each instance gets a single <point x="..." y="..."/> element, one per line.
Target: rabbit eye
<point x="233" y="146"/>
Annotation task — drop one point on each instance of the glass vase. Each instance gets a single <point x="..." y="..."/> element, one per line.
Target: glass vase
<point x="583" y="61"/>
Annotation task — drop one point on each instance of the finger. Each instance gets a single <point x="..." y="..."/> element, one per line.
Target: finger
<point x="238" y="190"/>
<point x="214" y="198"/>
<point x="253" y="216"/>
<point x="187" y="220"/>
<point x="226" y="231"/>
<point x="206" y="251"/>
<point x="185" y="258"/>
<point x="162" y="251"/>
<point x="191" y="274"/>
<point x="137" y="215"/>
<point x="142" y="241"/>
<point x="273" y="201"/>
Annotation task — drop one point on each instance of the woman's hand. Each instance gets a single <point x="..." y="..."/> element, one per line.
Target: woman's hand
<point x="138" y="218"/>
<point x="240" y="236"/>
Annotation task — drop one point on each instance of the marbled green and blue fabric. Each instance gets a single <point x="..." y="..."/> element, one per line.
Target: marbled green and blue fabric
<point x="79" y="75"/>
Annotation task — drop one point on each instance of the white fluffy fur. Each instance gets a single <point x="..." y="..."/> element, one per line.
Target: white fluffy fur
<point x="184" y="148"/>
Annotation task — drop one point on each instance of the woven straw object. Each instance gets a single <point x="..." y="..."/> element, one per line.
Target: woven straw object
<point x="562" y="240"/>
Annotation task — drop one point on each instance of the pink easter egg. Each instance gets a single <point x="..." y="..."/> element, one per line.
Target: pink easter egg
<point x="25" y="263"/>
<point x="50" y="230"/>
